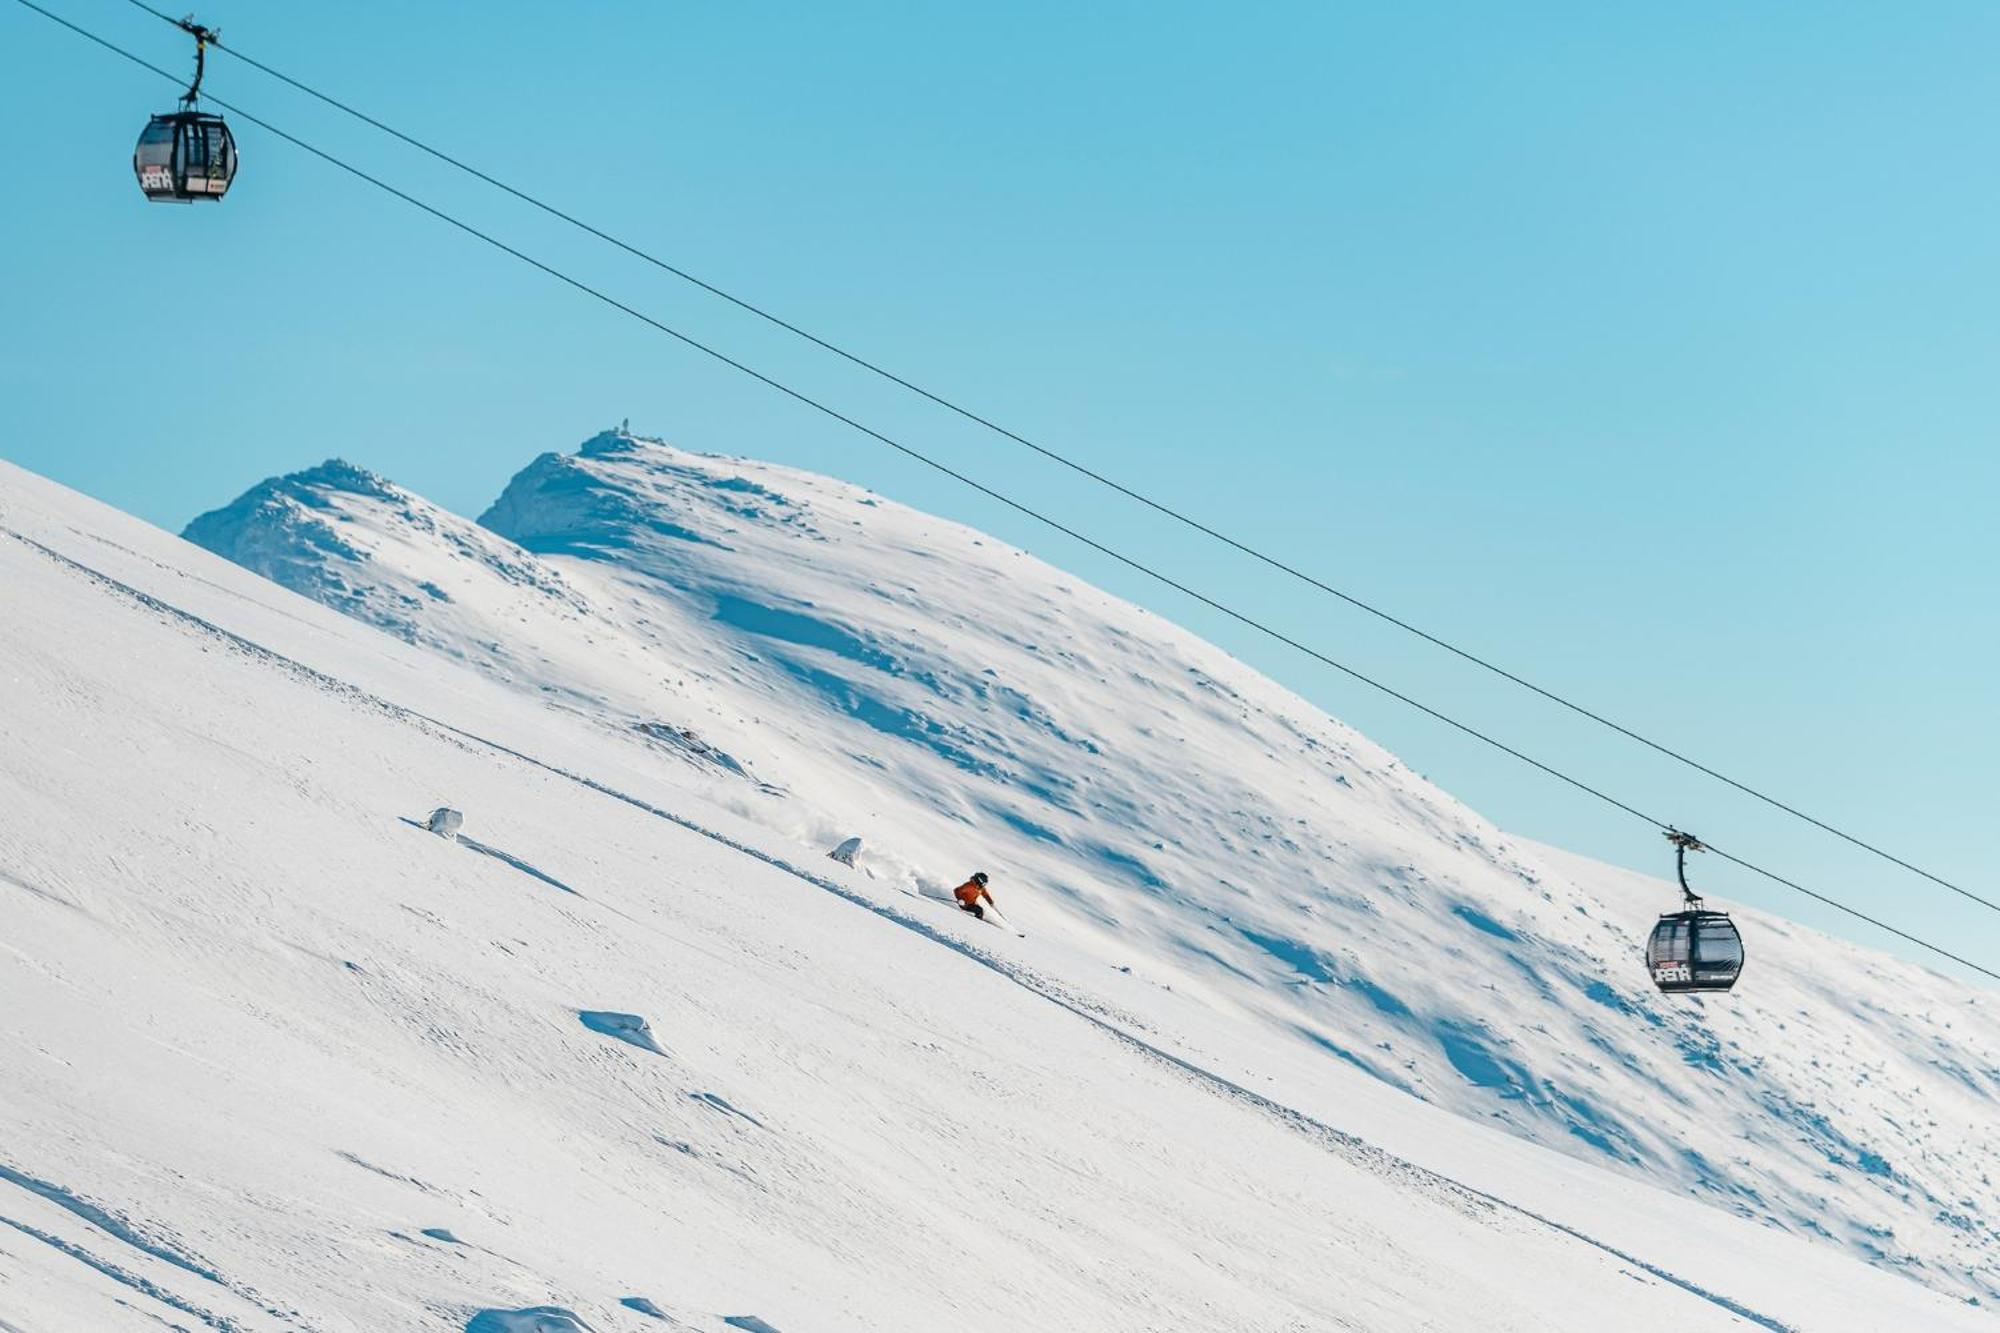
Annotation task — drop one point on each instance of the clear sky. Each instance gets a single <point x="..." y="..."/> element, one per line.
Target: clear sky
<point x="1650" y="350"/>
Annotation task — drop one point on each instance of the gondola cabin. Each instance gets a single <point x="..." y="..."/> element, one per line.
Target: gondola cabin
<point x="1695" y="950"/>
<point x="184" y="156"/>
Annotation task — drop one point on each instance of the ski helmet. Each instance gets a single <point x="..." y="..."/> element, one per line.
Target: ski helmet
<point x="979" y="878"/>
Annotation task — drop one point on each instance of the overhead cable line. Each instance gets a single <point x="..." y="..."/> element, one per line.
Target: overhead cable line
<point x="1006" y="500"/>
<point x="1084" y="470"/>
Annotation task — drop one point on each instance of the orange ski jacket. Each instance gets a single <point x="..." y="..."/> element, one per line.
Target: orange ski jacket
<point x="971" y="892"/>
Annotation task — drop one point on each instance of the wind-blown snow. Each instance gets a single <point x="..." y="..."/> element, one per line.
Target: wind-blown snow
<point x="278" y="1058"/>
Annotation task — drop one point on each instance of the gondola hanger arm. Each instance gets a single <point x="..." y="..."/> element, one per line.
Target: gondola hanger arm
<point x="203" y="37"/>
<point x="1683" y="844"/>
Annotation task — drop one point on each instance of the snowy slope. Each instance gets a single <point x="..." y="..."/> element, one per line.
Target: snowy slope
<point x="1156" y="805"/>
<point x="274" y="1058"/>
<point x="279" y="1060"/>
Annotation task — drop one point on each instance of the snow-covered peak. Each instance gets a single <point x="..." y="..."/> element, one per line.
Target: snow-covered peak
<point x="311" y="485"/>
<point x="612" y="441"/>
<point x="620" y="492"/>
<point x="359" y="543"/>
<point x="279" y="516"/>
<point x="838" y="664"/>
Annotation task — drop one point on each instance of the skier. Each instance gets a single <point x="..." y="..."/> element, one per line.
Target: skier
<point x="970" y="893"/>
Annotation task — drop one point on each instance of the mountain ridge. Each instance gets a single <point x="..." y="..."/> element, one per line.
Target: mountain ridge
<point x="890" y="674"/>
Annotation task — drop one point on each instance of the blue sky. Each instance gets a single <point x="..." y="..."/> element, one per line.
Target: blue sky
<point x="1647" y="350"/>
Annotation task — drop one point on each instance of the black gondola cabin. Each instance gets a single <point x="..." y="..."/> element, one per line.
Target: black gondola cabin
<point x="184" y="156"/>
<point x="1696" y="950"/>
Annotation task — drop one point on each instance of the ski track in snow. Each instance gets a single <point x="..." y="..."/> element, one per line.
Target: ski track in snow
<point x="125" y="1278"/>
<point x="387" y="1174"/>
<point x="15" y="882"/>
<point x="120" y="1229"/>
<point x="110" y="1223"/>
<point x="1355" y="1150"/>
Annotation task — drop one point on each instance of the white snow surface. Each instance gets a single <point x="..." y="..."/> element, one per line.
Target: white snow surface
<point x="1292" y="1041"/>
